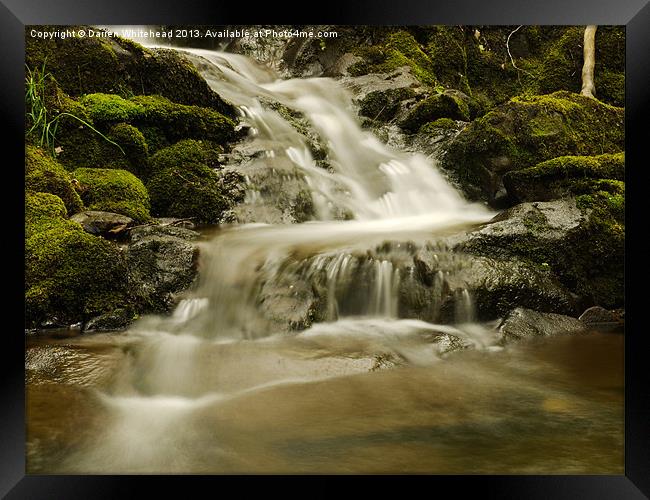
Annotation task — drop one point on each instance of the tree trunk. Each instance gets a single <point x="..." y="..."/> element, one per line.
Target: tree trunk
<point x="588" y="87"/>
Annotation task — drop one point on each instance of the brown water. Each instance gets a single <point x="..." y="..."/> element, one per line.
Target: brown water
<point x="545" y="406"/>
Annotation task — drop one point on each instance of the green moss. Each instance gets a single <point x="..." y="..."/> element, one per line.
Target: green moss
<point x="611" y="88"/>
<point x="192" y="191"/>
<point x="114" y="190"/>
<point x="184" y="183"/>
<point x="561" y="68"/>
<point x="565" y="175"/>
<point x="398" y="49"/>
<point x="189" y="190"/>
<point x="81" y="147"/>
<point x="434" y="107"/>
<point x="71" y="276"/>
<point x="177" y="121"/>
<point x="111" y="108"/>
<point x="44" y="174"/>
<point x="474" y="59"/>
<point x="79" y="64"/>
<point x="154" y="137"/>
<point x="436" y="127"/>
<point x="40" y="206"/>
<point x="529" y="130"/>
<point x="186" y="152"/>
<point x="133" y="143"/>
<point x="184" y="122"/>
<point x="384" y="104"/>
<point x="45" y="211"/>
<point x="87" y="65"/>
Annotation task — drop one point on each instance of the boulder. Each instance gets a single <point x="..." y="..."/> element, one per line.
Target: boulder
<point x="113" y="190"/>
<point x="86" y="65"/>
<point x="106" y="224"/>
<point x="142" y="232"/>
<point x="523" y="323"/>
<point x="46" y="175"/>
<point x="162" y="262"/>
<point x="528" y="130"/>
<point x="601" y="319"/>
<point x="566" y="176"/>
<point x="446" y="286"/>
<point x="581" y="240"/>
<point x="115" y="320"/>
<point x="448" y="104"/>
<point x="70" y="275"/>
<point x="386" y="96"/>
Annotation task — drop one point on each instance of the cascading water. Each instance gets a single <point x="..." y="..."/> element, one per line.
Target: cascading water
<point x="229" y="337"/>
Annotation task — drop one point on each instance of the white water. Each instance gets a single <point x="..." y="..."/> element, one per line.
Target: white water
<point x="224" y="338"/>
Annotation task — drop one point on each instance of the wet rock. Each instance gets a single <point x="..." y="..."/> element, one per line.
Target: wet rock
<point x="445" y="286"/>
<point x="162" y="262"/>
<point x="162" y="230"/>
<point x="386" y="96"/>
<point x="106" y="224"/>
<point x="175" y="222"/>
<point x="522" y="323"/>
<point x="297" y="57"/>
<point x="566" y="176"/>
<point x="449" y="104"/>
<point x="602" y="319"/>
<point x="288" y="303"/>
<point x="580" y="240"/>
<point x="112" y="321"/>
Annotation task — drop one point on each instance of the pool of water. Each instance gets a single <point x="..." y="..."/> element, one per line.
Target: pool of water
<point x="544" y="406"/>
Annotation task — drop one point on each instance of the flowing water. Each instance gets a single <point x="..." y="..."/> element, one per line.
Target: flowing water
<point x="291" y="355"/>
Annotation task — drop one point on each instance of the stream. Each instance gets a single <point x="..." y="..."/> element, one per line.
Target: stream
<point x="291" y="356"/>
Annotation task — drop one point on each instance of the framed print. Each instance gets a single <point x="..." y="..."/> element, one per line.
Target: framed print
<point x="388" y="240"/>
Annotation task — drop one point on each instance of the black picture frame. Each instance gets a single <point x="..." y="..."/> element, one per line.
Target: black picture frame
<point x="634" y="14"/>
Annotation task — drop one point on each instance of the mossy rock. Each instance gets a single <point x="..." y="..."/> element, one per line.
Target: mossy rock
<point x="130" y="126"/>
<point x="492" y="64"/>
<point x="133" y="143"/>
<point x="45" y="211"/>
<point x="398" y="49"/>
<point x="580" y="240"/>
<point x="185" y="122"/>
<point x="81" y="147"/>
<point x="44" y="174"/>
<point x="188" y="190"/>
<point x="565" y="176"/>
<point x="529" y="130"/>
<point x="437" y="106"/>
<point x="114" y="190"/>
<point x="441" y="125"/>
<point x="177" y="121"/>
<point x="114" y="65"/>
<point x="71" y="276"/>
<point x="111" y="108"/>
<point x="561" y="67"/>
<point x="384" y="104"/>
<point x="186" y="152"/>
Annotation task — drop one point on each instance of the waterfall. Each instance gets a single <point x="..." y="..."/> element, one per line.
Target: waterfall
<point x="273" y="298"/>
<point x="389" y="194"/>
